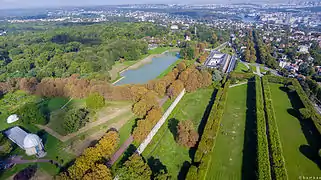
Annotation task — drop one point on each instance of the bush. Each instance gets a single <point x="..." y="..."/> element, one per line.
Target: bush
<point x="30" y="113"/>
<point x="95" y="101"/>
<point x="75" y="119"/>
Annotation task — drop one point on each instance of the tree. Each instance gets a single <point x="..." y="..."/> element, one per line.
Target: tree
<point x="95" y="101"/>
<point x="99" y="172"/>
<point x="5" y="145"/>
<point x="187" y="136"/>
<point x="30" y="113"/>
<point x="134" y="168"/>
<point x="217" y="76"/>
<point x="75" y="119"/>
<point x="175" y="88"/>
<point x="181" y="66"/>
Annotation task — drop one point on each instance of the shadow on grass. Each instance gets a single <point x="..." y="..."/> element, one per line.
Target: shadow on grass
<point x="184" y="170"/>
<point x="129" y="152"/>
<point x="172" y="126"/>
<point x="249" y="167"/>
<point x="156" y="166"/>
<point x="308" y="128"/>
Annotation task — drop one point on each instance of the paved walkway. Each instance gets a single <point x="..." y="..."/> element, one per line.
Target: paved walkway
<point x="86" y="128"/>
<point x="19" y="160"/>
<point x="234" y="85"/>
<point x="121" y="150"/>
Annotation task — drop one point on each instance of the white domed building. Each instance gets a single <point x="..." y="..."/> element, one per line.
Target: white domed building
<point x="31" y="143"/>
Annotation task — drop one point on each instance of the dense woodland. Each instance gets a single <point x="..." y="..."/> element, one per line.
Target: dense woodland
<point x="87" y="50"/>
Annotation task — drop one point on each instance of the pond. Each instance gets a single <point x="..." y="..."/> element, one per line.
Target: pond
<point x="148" y="71"/>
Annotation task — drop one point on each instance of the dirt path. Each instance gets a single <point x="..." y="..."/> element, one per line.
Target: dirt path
<point x="80" y="145"/>
<point x="121" y="150"/>
<point x="87" y="127"/>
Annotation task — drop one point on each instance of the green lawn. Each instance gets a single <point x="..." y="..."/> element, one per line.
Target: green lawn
<point x="240" y="67"/>
<point x="233" y="156"/>
<point x="163" y="146"/>
<point x="158" y="50"/>
<point x="169" y="69"/>
<point x="298" y="137"/>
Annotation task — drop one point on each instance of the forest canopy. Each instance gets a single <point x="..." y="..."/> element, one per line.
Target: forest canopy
<point x="62" y="51"/>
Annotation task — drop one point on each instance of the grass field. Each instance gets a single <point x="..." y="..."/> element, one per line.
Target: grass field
<point x="298" y="138"/>
<point x="163" y="150"/>
<point x="240" y="67"/>
<point x="233" y="156"/>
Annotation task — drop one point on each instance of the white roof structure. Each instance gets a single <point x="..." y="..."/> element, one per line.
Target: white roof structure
<point x="23" y="139"/>
<point x="31" y="140"/>
<point x="17" y="135"/>
<point x="12" y="118"/>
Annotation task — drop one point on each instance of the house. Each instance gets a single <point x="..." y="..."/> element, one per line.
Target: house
<point x="31" y="143"/>
<point x="174" y="27"/>
<point x="303" y="49"/>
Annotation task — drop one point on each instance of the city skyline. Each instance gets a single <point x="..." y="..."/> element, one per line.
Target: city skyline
<point x="11" y="4"/>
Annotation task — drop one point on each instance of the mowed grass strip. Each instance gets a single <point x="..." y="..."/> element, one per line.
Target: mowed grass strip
<point x="228" y="153"/>
<point x="294" y="141"/>
<point x="173" y="157"/>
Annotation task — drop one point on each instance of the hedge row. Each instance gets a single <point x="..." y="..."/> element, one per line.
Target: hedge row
<point x="316" y="117"/>
<point x="207" y="142"/>
<point x="278" y="79"/>
<point x="278" y="164"/>
<point x="263" y="162"/>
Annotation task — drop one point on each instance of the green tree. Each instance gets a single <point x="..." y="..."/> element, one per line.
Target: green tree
<point x="134" y="168"/>
<point x="95" y="101"/>
<point x="75" y="119"/>
<point x="30" y="113"/>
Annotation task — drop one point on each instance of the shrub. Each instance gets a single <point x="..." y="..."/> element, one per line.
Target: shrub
<point x="5" y="145"/>
<point x="95" y="101"/>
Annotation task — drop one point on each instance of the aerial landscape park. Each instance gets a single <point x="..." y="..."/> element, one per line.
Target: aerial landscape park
<point x="117" y="97"/>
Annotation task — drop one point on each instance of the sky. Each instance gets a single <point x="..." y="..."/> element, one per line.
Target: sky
<point x="4" y="4"/>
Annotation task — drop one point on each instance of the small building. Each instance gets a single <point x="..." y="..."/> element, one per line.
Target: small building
<point x="303" y="49"/>
<point x="174" y="27"/>
<point x="12" y="118"/>
<point x="31" y="143"/>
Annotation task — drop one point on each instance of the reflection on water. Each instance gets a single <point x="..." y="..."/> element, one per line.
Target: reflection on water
<point x="148" y="71"/>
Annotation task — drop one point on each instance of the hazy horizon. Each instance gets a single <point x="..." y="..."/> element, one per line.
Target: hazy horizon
<point x="11" y="4"/>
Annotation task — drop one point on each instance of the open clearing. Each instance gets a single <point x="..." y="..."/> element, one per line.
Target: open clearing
<point x="163" y="152"/>
<point x="298" y="138"/>
<point x="236" y="141"/>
